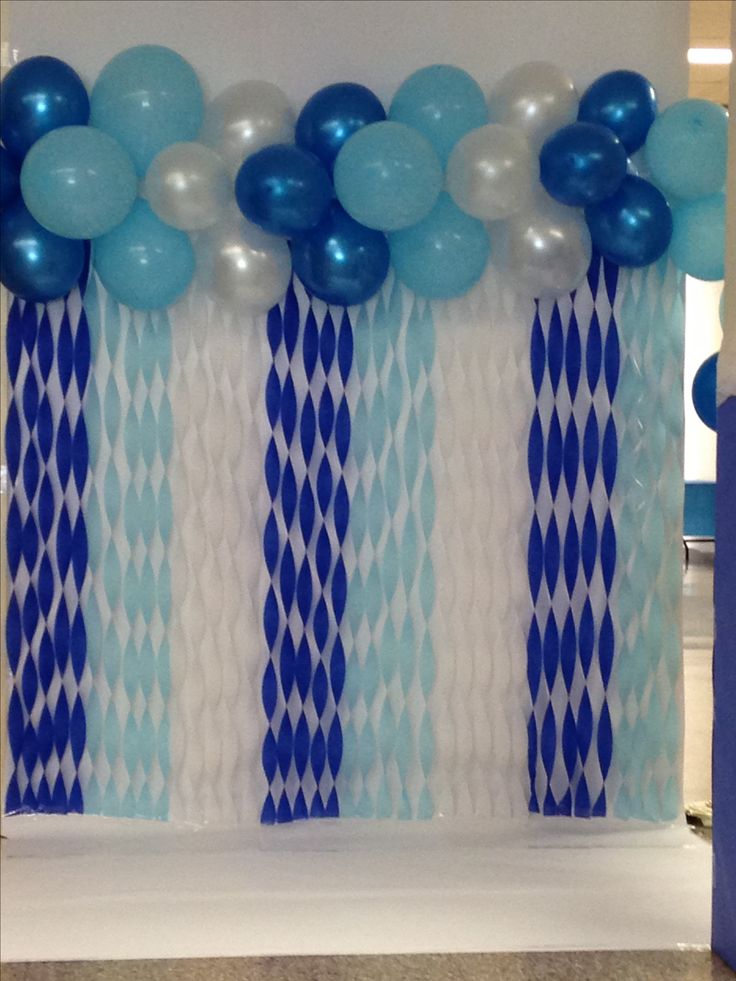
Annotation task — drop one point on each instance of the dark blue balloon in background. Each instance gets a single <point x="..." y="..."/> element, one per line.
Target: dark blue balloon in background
<point x="284" y="189"/>
<point x="623" y="101"/>
<point x="634" y="226"/>
<point x="582" y="163"/>
<point x="332" y="115"/>
<point x="704" y="392"/>
<point x="9" y="178"/>
<point x="35" y="264"/>
<point x="341" y="261"/>
<point x="36" y="96"/>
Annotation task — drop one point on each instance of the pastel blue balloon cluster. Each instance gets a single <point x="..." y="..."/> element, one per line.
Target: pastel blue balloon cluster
<point x="632" y="220"/>
<point x="347" y="189"/>
<point x="70" y="170"/>
<point x="359" y="191"/>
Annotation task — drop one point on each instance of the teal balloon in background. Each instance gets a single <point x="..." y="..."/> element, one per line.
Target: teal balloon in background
<point x="147" y="97"/>
<point x="443" y="103"/>
<point x="698" y="243"/>
<point x="387" y="176"/>
<point x="444" y="254"/>
<point x="144" y="263"/>
<point x="687" y="148"/>
<point x="78" y="182"/>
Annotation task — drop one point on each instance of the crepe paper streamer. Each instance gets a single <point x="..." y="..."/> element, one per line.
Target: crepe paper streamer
<point x="573" y="455"/>
<point x="48" y="353"/>
<point x="388" y="732"/>
<point x="128" y="602"/>
<point x="303" y="541"/>
<point x="648" y="504"/>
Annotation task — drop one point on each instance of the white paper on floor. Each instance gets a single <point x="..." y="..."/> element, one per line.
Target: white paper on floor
<point x="102" y="888"/>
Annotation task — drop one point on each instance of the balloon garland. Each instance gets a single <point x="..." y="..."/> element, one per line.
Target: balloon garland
<point x="531" y="179"/>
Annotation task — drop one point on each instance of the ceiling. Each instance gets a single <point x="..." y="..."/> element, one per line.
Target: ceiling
<point x="710" y="27"/>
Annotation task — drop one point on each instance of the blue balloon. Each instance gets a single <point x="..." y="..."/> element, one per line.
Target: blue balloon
<point x="38" y="95"/>
<point x="444" y="254"/>
<point x="443" y="103"/>
<point x="332" y="115"/>
<point x="687" y="148"/>
<point x="144" y="263"/>
<point x="623" y="101"/>
<point x="387" y="176"/>
<point x="704" y="392"/>
<point x="147" y="97"/>
<point x="283" y="189"/>
<point x="582" y="163"/>
<point x="341" y="261"/>
<point x="78" y="182"/>
<point x="9" y="178"/>
<point x="35" y="264"/>
<point x="699" y="237"/>
<point x="634" y="226"/>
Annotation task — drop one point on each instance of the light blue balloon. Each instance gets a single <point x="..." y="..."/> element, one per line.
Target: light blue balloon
<point x="147" y="97"/>
<point x="78" y="182"/>
<point x="443" y="103"/>
<point x="144" y="263"/>
<point x="687" y="148"/>
<point x="698" y="243"/>
<point x="387" y="176"/>
<point x="444" y="254"/>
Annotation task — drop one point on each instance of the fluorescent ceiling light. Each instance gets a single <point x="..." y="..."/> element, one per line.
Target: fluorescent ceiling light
<point x="710" y="56"/>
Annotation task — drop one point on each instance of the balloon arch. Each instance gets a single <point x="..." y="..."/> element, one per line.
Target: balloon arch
<point x="240" y="192"/>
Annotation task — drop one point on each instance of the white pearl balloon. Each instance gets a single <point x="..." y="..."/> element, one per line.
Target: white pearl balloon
<point x="537" y="98"/>
<point x="544" y="252"/>
<point x="492" y="171"/>
<point x="242" y="266"/>
<point x="246" y="117"/>
<point x="187" y="186"/>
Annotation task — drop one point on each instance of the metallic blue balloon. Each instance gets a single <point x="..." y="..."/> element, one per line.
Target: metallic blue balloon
<point x="704" y="392"/>
<point x="38" y="95"/>
<point x="332" y="115"/>
<point x="9" y="178"/>
<point x="341" y="261"/>
<point x="35" y="264"/>
<point x="284" y="189"/>
<point x="634" y="226"/>
<point x="623" y="101"/>
<point x="582" y="163"/>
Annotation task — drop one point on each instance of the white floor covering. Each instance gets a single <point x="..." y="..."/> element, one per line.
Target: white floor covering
<point x="90" y="888"/>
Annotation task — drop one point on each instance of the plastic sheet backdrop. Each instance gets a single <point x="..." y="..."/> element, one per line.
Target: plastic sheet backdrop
<point x="406" y="560"/>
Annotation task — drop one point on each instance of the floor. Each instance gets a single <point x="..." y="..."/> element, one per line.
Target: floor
<point x="697" y="622"/>
<point x="611" y="966"/>
<point x="692" y="962"/>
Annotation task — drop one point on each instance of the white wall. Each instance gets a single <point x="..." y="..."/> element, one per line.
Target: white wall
<point x="304" y="45"/>
<point x="702" y="338"/>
